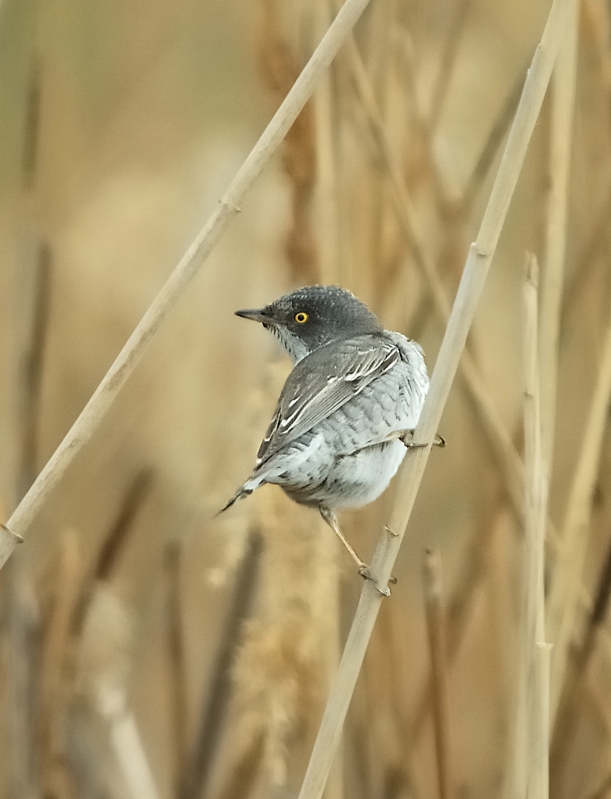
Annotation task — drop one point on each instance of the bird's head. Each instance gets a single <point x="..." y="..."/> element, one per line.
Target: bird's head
<point x="313" y="316"/>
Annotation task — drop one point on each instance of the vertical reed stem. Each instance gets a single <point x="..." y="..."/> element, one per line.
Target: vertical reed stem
<point x="564" y="598"/>
<point x="534" y="649"/>
<point x="436" y="628"/>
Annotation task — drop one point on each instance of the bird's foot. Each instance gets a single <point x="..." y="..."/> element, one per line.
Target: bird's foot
<point x="365" y="573"/>
<point x="407" y="437"/>
<point x="363" y="569"/>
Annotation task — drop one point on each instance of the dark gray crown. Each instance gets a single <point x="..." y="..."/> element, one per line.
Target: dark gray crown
<point x="313" y="316"/>
<point x="333" y="313"/>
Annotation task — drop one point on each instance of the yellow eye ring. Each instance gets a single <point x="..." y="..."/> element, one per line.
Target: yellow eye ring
<point x="301" y="318"/>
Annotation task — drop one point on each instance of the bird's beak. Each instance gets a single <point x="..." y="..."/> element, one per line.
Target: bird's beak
<point x="257" y="315"/>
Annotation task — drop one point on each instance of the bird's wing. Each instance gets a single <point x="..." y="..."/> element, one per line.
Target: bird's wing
<point x="321" y="383"/>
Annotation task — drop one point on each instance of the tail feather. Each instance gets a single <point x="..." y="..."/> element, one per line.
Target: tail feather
<point x="243" y="491"/>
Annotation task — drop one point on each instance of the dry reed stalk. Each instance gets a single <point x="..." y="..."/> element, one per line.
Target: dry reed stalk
<point x="415" y="105"/>
<point x="563" y="601"/>
<point x="325" y="127"/>
<point x="421" y="168"/>
<point x="599" y="612"/>
<point x="375" y="711"/>
<point x="589" y="256"/>
<point x="29" y="323"/>
<point x="138" y="492"/>
<point x="56" y="663"/>
<point x="563" y="86"/>
<point x="100" y="629"/>
<point x="373" y="232"/>
<point x="176" y="658"/>
<point x="31" y="365"/>
<point x="382" y="759"/>
<point x="508" y="460"/>
<point x="280" y="69"/>
<point x="447" y="63"/>
<point x="534" y="650"/>
<point x="576" y="685"/>
<point x="462" y="603"/>
<point x="34" y="306"/>
<point x="596" y="27"/>
<point x="112" y="547"/>
<point x="103" y="665"/>
<point x="467" y="298"/>
<point x="477" y="567"/>
<point x="491" y="146"/>
<point x="103" y="397"/>
<point x="23" y="624"/>
<point x="379" y="49"/>
<point x="21" y="676"/>
<point x="596" y="15"/>
<point x="31" y="137"/>
<point x="436" y="628"/>
<point x="196" y="774"/>
<point x="127" y="745"/>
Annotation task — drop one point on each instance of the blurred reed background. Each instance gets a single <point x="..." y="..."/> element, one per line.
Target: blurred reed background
<point x="150" y="650"/>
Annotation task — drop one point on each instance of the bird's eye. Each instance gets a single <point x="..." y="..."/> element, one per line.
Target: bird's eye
<point x="301" y="318"/>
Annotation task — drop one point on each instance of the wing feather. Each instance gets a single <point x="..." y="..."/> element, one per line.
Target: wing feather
<point x="321" y="383"/>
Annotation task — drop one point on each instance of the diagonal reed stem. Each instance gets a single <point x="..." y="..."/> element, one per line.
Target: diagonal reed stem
<point x="467" y="298"/>
<point x="492" y="427"/>
<point x="90" y="417"/>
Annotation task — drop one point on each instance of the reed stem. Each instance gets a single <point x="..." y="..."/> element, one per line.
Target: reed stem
<point x="94" y="411"/>
<point x="469" y="291"/>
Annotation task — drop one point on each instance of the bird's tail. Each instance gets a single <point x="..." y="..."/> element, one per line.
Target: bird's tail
<point x="243" y="491"/>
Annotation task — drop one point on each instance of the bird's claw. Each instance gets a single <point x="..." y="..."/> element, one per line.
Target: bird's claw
<point x="366" y="575"/>
<point x="438" y="441"/>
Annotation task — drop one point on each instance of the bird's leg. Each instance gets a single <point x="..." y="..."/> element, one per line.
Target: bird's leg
<point x="331" y="520"/>
<point x="404" y="436"/>
<point x="363" y="568"/>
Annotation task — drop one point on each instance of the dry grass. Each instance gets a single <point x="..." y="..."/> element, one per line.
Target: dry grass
<point x="149" y="649"/>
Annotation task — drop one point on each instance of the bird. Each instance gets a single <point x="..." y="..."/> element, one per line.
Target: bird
<point x="345" y="416"/>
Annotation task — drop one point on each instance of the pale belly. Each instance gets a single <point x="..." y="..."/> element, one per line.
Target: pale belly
<point x="352" y="480"/>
